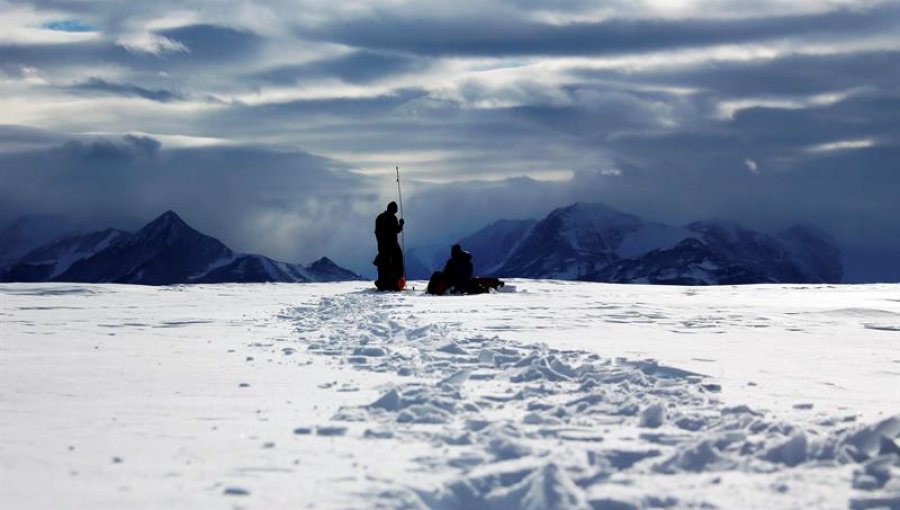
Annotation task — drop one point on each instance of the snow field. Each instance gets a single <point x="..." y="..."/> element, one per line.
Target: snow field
<point x="562" y="395"/>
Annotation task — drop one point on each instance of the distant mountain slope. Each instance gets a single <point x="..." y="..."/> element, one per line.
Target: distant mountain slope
<point x="580" y="239"/>
<point x="29" y="232"/>
<point x="325" y="270"/>
<point x="495" y="243"/>
<point x="815" y="251"/>
<point x="690" y="262"/>
<point x="595" y="242"/>
<point x="55" y="258"/>
<point x="165" y="251"/>
<point x="796" y="255"/>
<point x="253" y="268"/>
<point x="421" y="261"/>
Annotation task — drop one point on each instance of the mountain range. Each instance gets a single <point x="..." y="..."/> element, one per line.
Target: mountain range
<point x="593" y="242"/>
<point x="583" y="241"/>
<point x="165" y="251"/>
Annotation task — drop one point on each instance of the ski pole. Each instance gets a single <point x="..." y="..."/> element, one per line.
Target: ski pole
<point x="402" y="232"/>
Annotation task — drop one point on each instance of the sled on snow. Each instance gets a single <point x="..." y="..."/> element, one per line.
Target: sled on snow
<point x="439" y="285"/>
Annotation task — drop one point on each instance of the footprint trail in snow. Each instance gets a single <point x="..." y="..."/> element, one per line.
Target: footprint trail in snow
<point x="515" y="426"/>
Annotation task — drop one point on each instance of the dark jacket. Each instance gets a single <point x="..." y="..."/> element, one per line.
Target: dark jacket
<point x="386" y="229"/>
<point x="458" y="271"/>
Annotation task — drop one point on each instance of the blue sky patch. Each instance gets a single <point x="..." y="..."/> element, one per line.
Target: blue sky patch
<point x="69" y="25"/>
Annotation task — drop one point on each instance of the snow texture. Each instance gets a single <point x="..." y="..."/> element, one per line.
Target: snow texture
<point x="564" y="395"/>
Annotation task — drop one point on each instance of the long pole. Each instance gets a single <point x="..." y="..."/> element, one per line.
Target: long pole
<point x="402" y="232"/>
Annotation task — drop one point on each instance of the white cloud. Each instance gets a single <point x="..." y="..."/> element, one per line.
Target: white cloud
<point x="728" y="109"/>
<point x="150" y="43"/>
<point x="610" y="172"/>
<point x="168" y="141"/>
<point x="842" y="145"/>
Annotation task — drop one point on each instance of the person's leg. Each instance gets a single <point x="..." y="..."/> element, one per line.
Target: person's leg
<point x="382" y="262"/>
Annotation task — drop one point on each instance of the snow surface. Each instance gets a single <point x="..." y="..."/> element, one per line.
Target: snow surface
<point x="563" y="395"/>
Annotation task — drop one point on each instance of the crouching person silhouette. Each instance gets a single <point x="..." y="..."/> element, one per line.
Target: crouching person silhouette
<point x="456" y="278"/>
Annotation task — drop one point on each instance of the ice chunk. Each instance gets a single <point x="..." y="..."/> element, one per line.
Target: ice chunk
<point x="867" y="440"/>
<point x="653" y="416"/>
<point x="700" y="456"/>
<point x="791" y="452"/>
<point x="452" y="348"/>
<point x="547" y="488"/>
<point x="457" y="379"/>
<point x="390" y="401"/>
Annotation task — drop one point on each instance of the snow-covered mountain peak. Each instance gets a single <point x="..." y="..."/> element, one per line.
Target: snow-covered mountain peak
<point x="592" y="228"/>
<point x="594" y="215"/>
<point x="571" y="241"/>
<point x="167" y="225"/>
<point x="724" y="229"/>
<point x="168" y="219"/>
<point x="323" y="262"/>
<point x="327" y="270"/>
<point x="169" y="234"/>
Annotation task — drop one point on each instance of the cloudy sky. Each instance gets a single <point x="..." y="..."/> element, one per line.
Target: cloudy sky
<point x="276" y="126"/>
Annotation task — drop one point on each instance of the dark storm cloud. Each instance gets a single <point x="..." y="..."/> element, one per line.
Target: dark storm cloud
<point x="204" y="45"/>
<point x="29" y="135"/>
<point x="251" y="197"/>
<point x="487" y="36"/>
<point x="339" y="120"/>
<point x="108" y="152"/>
<point x="791" y="75"/>
<point x="358" y="67"/>
<point x="43" y="56"/>
<point x="211" y="43"/>
<point x="120" y="89"/>
<point x="860" y="116"/>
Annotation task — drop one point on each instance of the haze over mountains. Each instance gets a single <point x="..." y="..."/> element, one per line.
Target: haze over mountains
<point x="594" y="242"/>
<point x="583" y="241"/>
<point x="165" y="251"/>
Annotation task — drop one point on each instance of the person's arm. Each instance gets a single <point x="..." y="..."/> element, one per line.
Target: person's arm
<point x="400" y="225"/>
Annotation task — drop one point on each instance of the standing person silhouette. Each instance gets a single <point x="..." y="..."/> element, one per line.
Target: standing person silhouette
<point x="389" y="260"/>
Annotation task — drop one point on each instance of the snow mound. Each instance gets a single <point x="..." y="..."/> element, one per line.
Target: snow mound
<point x="546" y="488"/>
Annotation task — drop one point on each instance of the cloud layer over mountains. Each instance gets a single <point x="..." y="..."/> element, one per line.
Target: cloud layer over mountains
<point x="276" y="128"/>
